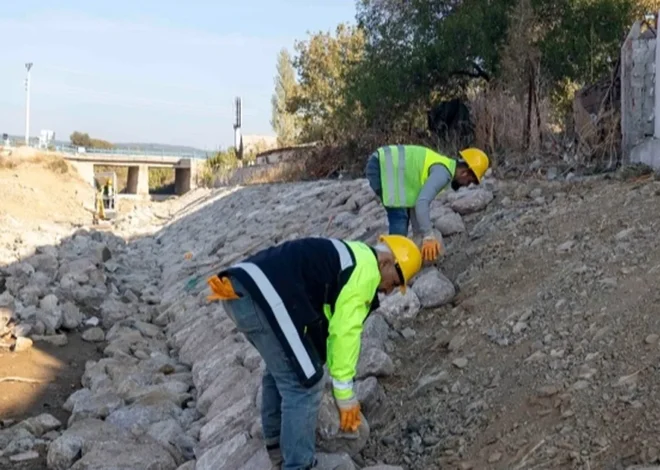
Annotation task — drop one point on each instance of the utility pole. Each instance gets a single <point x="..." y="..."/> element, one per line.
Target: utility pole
<point x="28" y="66"/>
<point x="238" y="138"/>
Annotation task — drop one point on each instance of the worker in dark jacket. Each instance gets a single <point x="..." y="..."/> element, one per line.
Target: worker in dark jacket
<point x="302" y="304"/>
<point x="407" y="178"/>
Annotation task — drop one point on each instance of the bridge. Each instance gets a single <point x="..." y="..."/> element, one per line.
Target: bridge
<point x="138" y="162"/>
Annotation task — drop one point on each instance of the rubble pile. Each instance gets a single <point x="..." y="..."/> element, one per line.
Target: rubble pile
<point x="178" y="386"/>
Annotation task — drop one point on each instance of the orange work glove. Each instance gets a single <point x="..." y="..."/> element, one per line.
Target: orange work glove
<point x="349" y="414"/>
<point x="221" y="288"/>
<point x="431" y="248"/>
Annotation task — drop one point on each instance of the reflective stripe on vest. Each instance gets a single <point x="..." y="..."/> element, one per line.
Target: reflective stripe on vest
<point x="280" y="311"/>
<point x="404" y="170"/>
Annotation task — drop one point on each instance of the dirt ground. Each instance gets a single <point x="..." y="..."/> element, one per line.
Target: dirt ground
<point x="41" y="191"/>
<point x="57" y="368"/>
<point x="550" y="350"/>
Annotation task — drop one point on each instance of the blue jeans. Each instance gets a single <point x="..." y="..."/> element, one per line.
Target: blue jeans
<point x="398" y="218"/>
<point x="288" y="410"/>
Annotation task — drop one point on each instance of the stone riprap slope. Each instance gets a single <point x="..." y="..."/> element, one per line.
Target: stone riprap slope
<point x="178" y="386"/>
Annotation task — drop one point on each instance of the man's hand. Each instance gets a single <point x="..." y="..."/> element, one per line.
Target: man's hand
<point x="349" y="414"/>
<point x="431" y="248"/>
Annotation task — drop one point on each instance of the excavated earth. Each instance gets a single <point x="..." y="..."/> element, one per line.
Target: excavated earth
<point x="532" y="344"/>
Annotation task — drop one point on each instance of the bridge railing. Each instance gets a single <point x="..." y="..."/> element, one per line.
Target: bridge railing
<point x="130" y="151"/>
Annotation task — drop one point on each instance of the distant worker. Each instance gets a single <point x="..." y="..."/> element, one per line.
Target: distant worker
<point x="107" y="194"/>
<point x="303" y="303"/>
<point x="406" y="178"/>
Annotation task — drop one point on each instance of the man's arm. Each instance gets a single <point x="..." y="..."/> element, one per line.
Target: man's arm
<point x="439" y="177"/>
<point x="345" y="328"/>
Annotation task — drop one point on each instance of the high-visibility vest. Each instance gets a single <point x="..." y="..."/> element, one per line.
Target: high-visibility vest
<point x="404" y="169"/>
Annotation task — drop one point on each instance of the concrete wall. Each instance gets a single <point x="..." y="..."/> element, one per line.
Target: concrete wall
<point x="639" y="103"/>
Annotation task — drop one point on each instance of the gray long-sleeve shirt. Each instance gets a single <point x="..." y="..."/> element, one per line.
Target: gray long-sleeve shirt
<point x="439" y="177"/>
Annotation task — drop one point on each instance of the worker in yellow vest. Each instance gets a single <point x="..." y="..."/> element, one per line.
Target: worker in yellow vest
<point x="406" y="178"/>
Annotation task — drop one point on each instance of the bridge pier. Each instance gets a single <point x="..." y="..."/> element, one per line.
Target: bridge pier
<point x="138" y="180"/>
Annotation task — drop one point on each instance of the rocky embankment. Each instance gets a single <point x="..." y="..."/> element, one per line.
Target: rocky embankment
<point x="178" y="387"/>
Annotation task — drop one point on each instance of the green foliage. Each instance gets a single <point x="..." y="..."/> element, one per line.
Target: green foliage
<point x="382" y="75"/>
<point x="78" y="139"/>
<point x="323" y="64"/>
<point x="283" y="121"/>
<point x="161" y="180"/>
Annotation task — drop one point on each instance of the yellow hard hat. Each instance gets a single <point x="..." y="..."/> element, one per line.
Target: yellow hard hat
<point x="477" y="160"/>
<point x="406" y="253"/>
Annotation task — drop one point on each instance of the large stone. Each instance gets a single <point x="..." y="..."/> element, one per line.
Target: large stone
<point x="341" y="461"/>
<point x="228" y="455"/>
<point x="373" y="402"/>
<point x="449" y="223"/>
<point x="224" y="425"/>
<point x="398" y="308"/>
<point x="375" y="331"/>
<point x="126" y="455"/>
<point x="84" y="404"/>
<point x="330" y="438"/>
<point x="141" y="414"/>
<point x="72" y="317"/>
<point x="39" y="425"/>
<point x="67" y="448"/>
<point x="471" y="201"/>
<point x="433" y="289"/>
<point x="374" y="362"/>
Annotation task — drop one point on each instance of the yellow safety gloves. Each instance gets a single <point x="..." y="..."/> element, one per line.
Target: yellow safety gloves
<point x="349" y="414"/>
<point x="431" y="248"/>
<point x="221" y="288"/>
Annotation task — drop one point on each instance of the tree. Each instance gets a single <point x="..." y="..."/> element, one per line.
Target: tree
<point x="283" y="121"/>
<point x="323" y="63"/>
<point x="78" y="139"/>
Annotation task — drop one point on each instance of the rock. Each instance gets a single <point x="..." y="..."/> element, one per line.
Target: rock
<point x="375" y="331"/>
<point x="495" y="457"/>
<point x="143" y="413"/>
<point x="433" y="289"/>
<point x="72" y="317"/>
<point x="408" y="333"/>
<point x="55" y="340"/>
<point x="93" y="335"/>
<point x="460" y="362"/>
<point x="84" y="404"/>
<point x="456" y="343"/>
<point x="449" y="223"/>
<point x="374" y="362"/>
<point x="39" y="425"/>
<point x="341" y="461"/>
<point x="190" y="465"/>
<point x="472" y="201"/>
<point x="24" y="456"/>
<point x="383" y="467"/>
<point x="85" y="434"/>
<point x="226" y="456"/>
<point x="125" y="455"/>
<point x="398" y="308"/>
<point x="22" y="344"/>
<point x="652" y="338"/>
<point x="22" y="330"/>
<point x="430" y="381"/>
<point x="330" y="439"/>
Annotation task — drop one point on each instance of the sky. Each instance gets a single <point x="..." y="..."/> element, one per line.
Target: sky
<point x="150" y="71"/>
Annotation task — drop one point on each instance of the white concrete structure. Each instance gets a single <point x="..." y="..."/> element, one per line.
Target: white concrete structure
<point x="640" y="98"/>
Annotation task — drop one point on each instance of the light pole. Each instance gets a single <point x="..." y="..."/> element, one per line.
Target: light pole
<point x="28" y="66"/>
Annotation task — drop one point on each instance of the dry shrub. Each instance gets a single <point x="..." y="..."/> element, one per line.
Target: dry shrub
<point x="57" y="165"/>
<point x="7" y="163"/>
<point x="500" y="120"/>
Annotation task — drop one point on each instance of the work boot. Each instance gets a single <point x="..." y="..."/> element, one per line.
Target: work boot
<point x="275" y="456"/>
